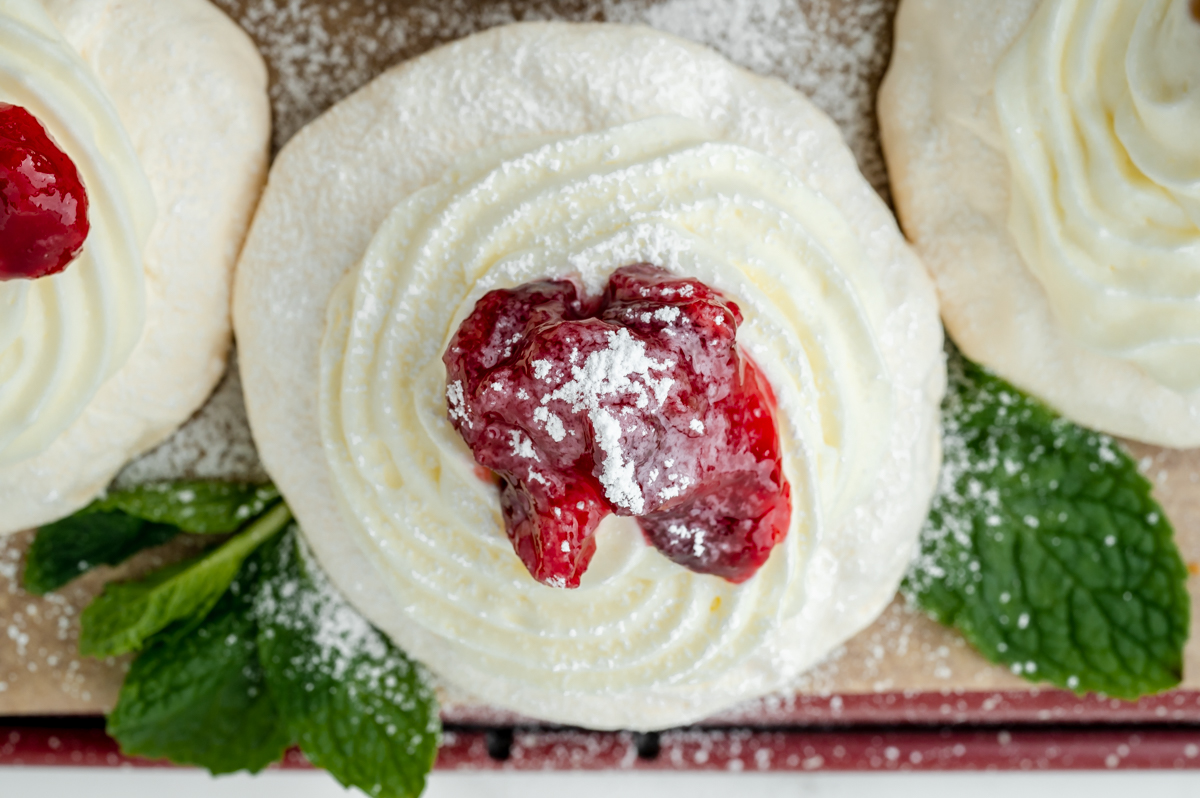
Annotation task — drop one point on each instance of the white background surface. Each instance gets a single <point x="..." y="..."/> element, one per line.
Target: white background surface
<point x="105" y="783"/>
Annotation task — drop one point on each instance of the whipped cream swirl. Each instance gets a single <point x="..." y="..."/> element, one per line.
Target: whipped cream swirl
<point x="62" y="336"/>
<point x="1099" y="101"/>
<point x="659" y="191"/>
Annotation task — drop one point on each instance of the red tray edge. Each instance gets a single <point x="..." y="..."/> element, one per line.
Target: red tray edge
<point x="1044" y="730"/>
<point x="724" y="750"/>
<point x="1033" y="706"/>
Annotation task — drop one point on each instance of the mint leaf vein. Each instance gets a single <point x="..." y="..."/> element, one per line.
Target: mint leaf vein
<point x="1045" y="548"/>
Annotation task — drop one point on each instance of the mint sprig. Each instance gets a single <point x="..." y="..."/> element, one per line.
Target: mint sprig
<point x="1045" y="548"/>
<point x="120" y="524"/>
<point x="126" y="614"/>
<point x="247" y="649"/>
<point x="201" y="698"/>
<point x="353" y="702"/>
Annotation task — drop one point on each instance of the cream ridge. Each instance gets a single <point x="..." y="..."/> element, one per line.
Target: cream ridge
<point x="1099" y="102"/>
<point x="1044" y="162"/>
<point x="62" y="336"/>
<point x="347" y="296"/>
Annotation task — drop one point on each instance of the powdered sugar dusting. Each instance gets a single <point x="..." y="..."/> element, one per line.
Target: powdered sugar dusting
<point x="622" y="369"/>
<point x="552" y="423"/>
<point x="214" y="444"/>
<point x="458" y="402"/>
<point x="522" y="446"/>
<point x="345" y="645"/>
<point x="342" y="635"/>
<point x="833" y="50"/>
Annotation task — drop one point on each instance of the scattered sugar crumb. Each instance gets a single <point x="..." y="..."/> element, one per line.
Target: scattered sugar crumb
<point x="346" y="645"/>
<point x="214" y="444"/>
<point x="833" y="51"/>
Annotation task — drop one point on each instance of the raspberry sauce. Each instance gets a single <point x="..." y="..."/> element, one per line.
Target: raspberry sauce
<point x="43" y="205"/>
<point x="637" y="402"/>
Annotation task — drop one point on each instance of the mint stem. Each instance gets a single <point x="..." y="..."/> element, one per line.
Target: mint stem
<point x="265" y="528"/>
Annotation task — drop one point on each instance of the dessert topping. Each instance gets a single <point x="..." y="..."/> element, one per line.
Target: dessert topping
<point x="61" y="338"/>
<point x="636" y="403"/>
<point x="1099" y="106"/>
<point x="828" y="322"/>
<point x="43" y="204"/>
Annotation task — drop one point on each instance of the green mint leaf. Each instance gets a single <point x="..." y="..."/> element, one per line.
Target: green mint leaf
<point x="69" y="548"/>
<point x="126" y="614"/>
<point x="199" y="507"/>
<point x="355" y="704"/>
<point x="112" y="529"/>
<point x="1045" y="548"/>
<point x="201" y="699"/>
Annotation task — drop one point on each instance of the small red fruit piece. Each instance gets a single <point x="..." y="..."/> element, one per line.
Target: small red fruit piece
<point x="43" y="204"/>
<point x="729" y="525"/>
<point x="637" y="403"/>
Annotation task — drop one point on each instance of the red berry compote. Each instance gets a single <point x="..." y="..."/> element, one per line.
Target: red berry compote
<point x="43" y="205"/>
<point x="637" y="402"/>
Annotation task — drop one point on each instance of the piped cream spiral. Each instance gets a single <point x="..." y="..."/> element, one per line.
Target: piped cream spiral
<point x="1099" y="103"/>
<point x="661" y="191"/>
<point x="62" y="336"/>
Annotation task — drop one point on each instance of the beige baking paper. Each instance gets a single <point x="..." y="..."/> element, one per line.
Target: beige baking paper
<point x="834" y="50"/>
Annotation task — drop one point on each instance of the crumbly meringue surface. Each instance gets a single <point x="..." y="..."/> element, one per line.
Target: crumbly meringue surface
<point x="547" y="150"/>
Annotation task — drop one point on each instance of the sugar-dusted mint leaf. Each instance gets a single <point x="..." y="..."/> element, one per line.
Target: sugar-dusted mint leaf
<point x="355" y="704"/>
<point x="114" y="528"/>
<point x="73" y="546"/>
<point x="201" y="698"/>
<point x="200" y="507"/>
<point x="126" y="614"/>
<point x="1045" y="548"/>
